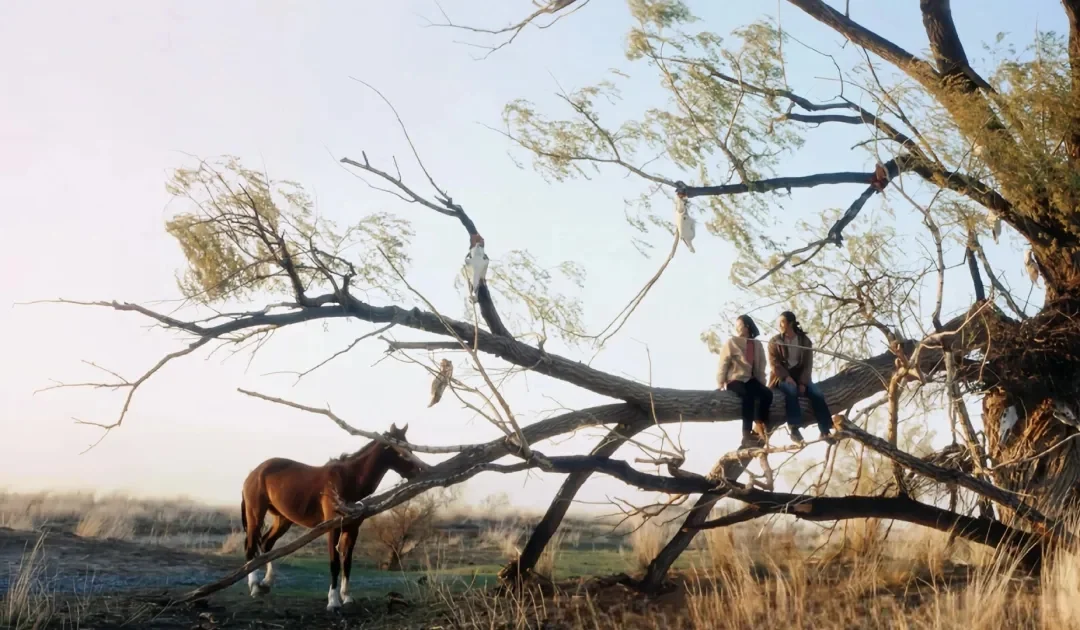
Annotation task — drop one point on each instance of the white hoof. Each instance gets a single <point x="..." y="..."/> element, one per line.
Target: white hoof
<point x="333" y="599"/>
<point x="344" y="590"/>
<point x="256" y="589"/>
<point x="268" y="579"/>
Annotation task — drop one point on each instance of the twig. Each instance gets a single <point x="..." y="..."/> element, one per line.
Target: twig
<point x="351" y="430"/>
<point x="300" y="375"/>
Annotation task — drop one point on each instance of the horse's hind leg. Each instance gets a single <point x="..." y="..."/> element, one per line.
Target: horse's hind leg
<point x="348" y="541"/>
<point x="281" y="525"/>
<point x="334" y="596"/>
<point x="254" y="513"/>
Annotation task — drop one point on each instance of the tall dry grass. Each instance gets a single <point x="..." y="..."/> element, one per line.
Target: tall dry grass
<point x="505" y="539"/>
<point x="646" y="540"/>
<point x="549" y="558"/>
<point x="763" y="577"/>
<point x="233" y="543"/>
<point x="922" y="580"/>
<point x="26" y="603"/>
<point x="1060" y="593"/>
<point x="176" y="522"/>
<point x="105" y="523"/>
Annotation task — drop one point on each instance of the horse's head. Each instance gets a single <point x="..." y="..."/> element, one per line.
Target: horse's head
<point x="399" y="458"/>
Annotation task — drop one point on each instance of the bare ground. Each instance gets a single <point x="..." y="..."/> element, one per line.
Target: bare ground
<point x="91" y="583"/>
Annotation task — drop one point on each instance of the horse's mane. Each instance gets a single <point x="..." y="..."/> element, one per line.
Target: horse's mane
<point x="346" y="456"/>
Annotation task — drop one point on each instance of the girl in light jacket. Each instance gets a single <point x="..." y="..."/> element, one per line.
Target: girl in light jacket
<point x="742" y="370"/>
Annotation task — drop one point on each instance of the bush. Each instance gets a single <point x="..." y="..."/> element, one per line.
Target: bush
<point x="394" y="534"/>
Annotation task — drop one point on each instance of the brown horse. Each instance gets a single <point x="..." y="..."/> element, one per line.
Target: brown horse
<point x="308" y="495"/>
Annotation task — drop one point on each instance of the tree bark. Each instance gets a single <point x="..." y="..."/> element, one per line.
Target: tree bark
<point x="1038" y="454"/>
<point x="949" y="56"/>
<point x="653" y="580"/>
<point x="658" y="569"/>
<point x="985" y="531"/>
<point x="1072" y="140"/>
<point x="548" y="525"/>
<point x="1032" y="404"/>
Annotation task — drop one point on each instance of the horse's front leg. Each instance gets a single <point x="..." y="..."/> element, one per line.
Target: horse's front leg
<point x="334" y="596"/>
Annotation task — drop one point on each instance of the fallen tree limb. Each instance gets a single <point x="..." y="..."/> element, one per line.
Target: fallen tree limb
<point x="985" y="531"/>
<point x="1043" y="523"/>
<point x="459" y="469"/>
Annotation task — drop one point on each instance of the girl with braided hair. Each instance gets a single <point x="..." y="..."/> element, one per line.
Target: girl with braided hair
<point x="792" y="357"/>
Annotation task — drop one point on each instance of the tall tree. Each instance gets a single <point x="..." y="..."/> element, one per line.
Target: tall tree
<point x="959" y="153"/>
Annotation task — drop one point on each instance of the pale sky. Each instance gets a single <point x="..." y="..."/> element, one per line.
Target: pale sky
<point x="100" y="101"/>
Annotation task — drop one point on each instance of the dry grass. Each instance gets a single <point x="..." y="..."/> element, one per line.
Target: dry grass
<point x="145" y="518"/>
<point x="722" y="551"/>
<point x="547" y="562"/>
<point x="233" y="543"/>
<point x="176" y="523"/>
<point x="757" y="574"/>
<point x="505" y="539"/>
<point x="751" y="579"/>
<point x="1061" y="590"/>
<point x="754" y="576"/>
<point x="646" y="540"/>
<point x="27" y="604"/>
<point x="105" y="523"/>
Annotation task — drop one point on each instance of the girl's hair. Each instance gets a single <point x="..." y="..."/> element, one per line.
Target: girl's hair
<point x="751" y="328"/>
<point x="793" y="322"/>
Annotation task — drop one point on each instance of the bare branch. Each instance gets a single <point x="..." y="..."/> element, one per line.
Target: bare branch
<point x="132" y="387"/>
<point x="443" y="204"/>
<point x="351" y="430"/>
<point x="393" y="345"/>
<point x="551" y="8"/>
<point x="835" y="236"/>
<point x="853" y="383"/>
<point x="994" y="280"/>
<point x="866" y="38"/>
<point x="300" y="375"/>
<point x="784" y="183"/>
<point x="981" y="530"/>
<point x="471" y="349"/>
<point x="448" y="473"/>
<point x="979" y="487"/>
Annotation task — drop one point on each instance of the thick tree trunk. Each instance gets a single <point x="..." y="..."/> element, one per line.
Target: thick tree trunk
<point x="1031" y="409"/>
<point x="1034" y="452"/>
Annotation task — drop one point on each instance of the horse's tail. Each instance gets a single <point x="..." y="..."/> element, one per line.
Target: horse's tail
<point x="243" y="513"/>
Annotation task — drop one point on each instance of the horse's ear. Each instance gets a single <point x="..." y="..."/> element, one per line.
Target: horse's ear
<point x="405" y="428"/>
<point x="393" y="427"/>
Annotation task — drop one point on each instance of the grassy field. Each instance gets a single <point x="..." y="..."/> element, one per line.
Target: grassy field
<point x="73" y="561"/>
